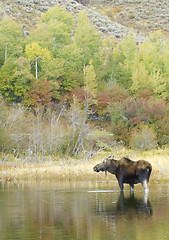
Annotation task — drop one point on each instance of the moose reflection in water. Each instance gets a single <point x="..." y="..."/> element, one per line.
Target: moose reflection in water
<point x="127" y="171"/>
<point x="127" y="206"/>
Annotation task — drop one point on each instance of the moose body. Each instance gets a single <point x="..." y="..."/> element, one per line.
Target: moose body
<point x="127" y="171"/>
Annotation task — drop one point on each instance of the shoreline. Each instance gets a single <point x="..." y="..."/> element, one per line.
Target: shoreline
<point x="62" y="169"/>
<point x="68" y="172"/>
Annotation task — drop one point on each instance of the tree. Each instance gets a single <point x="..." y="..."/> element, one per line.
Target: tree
<point x="42" y="36"/>
<point x="110" y="96"/>
<point x="6" y="82"/>
<point x="90" y="81"/>
<point x="119" y="122"/>
<point x="110" y="68"/>
<point x="22" y="78"/>
<point x="35" y="52"/>
<point x="61" y="15"/>
<point x="39" y="97"/>
<point x="87" y="38"/>
<point x="158" y="83"/>
<point x="10" y="39"/>
<point x="140" y="78"/>
<point x="15" y="79"/>
<point x="106" y="51"/>
<point x="129" y="48"/>
<point x="91" y="86"/>
<point x="53" y="71"/>
<point x="54" y="29"/>
<point x="73" y="67"/>
<point x="166" y="58"/>
<point x="151" y="52"/>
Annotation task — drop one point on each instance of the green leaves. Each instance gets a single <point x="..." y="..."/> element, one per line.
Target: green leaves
<point x="10" y="39"/>
<point x="86" y="37"/>
<point x="54" y="29"/>
<point x="59" y="14"/>
<point x="129" y="49"/>
<point x="15" y="79"/>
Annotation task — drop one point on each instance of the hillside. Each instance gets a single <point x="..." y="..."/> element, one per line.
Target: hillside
<point x="110" y="17"/>
<point x="75" y="81"/>
<point x="27" y="12"/>
<point x="141" y="15"/>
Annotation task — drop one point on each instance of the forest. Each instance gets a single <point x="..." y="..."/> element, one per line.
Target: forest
<point x="67" y="90"/>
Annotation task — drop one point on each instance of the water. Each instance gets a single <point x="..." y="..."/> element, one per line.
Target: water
<point x="82" y="211"/>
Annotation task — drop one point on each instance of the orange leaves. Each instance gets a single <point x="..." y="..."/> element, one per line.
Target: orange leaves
<point x="40" y="95"/>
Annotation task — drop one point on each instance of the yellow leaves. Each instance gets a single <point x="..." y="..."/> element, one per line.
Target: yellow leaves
<point x="106" y="51"/>
<point x="10" y="28"/>
<point x="166" y="58"/>
<point x="90" y="80"/>
<point x="10" y="38"/>
<point x="60" y="14"/>
<point x="142" y="80"/>
<point x="140" y="77"/>
<point x="42" y="36"/>
<point x="150" y="67"/>
<point x="34" y="51"/>
<point x="55" y="28"/>
<point x="86" y="36"/>
<point x="53" y="69"/>
<point x="158" y="82"/>
<point x="147" y="53"/>
<point x="129" y="49"/>
<point x="82" y="18"/>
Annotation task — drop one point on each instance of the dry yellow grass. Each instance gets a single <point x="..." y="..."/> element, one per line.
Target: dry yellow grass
<point x="78" y="170"/>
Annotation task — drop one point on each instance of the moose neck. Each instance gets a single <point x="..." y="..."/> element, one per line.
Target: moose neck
<point x="113" y="167"/>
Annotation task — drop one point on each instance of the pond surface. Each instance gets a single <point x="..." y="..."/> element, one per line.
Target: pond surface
<point x="82" y="211"/>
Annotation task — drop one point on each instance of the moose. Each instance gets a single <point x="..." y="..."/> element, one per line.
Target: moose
<point x="127" y="171"/>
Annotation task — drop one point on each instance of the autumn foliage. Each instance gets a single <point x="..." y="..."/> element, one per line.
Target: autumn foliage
<point x="40" y="95"/>
<point x="120" y="86"/>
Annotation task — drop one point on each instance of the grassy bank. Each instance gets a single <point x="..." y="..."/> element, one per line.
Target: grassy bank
<point x="80" y="170"/>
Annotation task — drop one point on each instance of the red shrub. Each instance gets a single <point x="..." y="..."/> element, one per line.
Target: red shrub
<point x="110" y="95"/>
<point x="40" y="95"/>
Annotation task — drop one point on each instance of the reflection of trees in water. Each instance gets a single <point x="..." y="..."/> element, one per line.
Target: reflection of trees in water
<point x="49" y="213"/>
<point x="44" y="213"/>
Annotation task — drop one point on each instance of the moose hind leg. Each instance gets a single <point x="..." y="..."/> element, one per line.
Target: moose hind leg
<point x="145" y="185"/>
<point x="131" y="187"/>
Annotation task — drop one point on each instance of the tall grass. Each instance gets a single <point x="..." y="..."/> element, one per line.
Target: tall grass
<point x="80" y="170"/>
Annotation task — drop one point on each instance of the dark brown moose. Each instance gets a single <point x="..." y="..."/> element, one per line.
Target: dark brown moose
<point x="127" y="171"/>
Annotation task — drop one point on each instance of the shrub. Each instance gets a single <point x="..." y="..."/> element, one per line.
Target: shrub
<point x="111" y="95"/>
<point x="143" y="138"/>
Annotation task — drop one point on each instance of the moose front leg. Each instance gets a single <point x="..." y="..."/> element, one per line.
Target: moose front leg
<point x="121" y="184"/>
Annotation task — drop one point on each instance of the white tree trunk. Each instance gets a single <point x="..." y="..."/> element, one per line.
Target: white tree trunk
<point x="6" y="51"/>
<point x="36" y="67"/>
